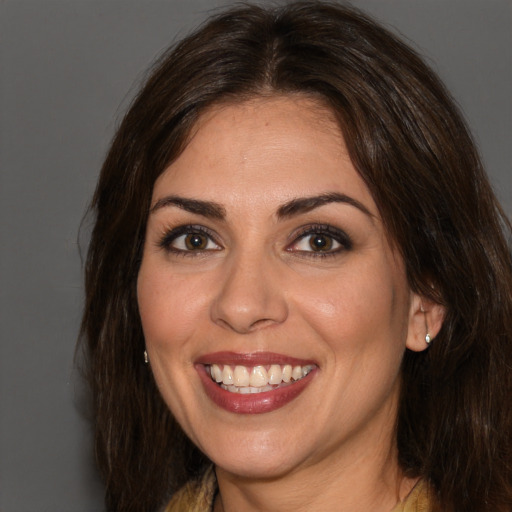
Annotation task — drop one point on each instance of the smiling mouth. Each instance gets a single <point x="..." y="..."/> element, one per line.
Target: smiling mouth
<point x="256" y="379"/>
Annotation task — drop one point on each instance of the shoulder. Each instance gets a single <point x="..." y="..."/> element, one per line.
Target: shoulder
<point x="195" y="495"/>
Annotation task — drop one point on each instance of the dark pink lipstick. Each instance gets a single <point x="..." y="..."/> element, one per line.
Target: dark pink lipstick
<point x="252" y="403"/>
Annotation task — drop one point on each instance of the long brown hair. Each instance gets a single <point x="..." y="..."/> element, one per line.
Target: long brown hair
<point x="412" y="148"/>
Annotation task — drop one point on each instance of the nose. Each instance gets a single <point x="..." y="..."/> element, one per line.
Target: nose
<point x="251" y="296"/>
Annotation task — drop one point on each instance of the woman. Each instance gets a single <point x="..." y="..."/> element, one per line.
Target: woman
<point x="299" y="290"/>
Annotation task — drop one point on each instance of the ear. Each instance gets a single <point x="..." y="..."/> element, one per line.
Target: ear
<point x="425" y="317"/>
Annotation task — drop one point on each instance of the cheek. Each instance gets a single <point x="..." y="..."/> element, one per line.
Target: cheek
<point x="168" y="307"/>
<point x="168" y="312"/>
<point x="358" y="308"/>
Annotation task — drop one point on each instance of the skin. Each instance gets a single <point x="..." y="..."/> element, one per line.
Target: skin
<point x="257" y="285"/>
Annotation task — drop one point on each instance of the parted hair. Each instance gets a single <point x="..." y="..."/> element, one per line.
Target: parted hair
<point x="411" y="146"/>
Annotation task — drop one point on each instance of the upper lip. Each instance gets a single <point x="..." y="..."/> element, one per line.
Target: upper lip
<point x="251" y="359"/>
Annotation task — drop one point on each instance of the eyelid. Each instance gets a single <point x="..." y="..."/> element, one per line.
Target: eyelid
<point x="338" y="235"/>
<point x="172" y="234"/>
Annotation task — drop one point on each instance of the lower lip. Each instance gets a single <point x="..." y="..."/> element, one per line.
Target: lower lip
<point x="253" y="403"/>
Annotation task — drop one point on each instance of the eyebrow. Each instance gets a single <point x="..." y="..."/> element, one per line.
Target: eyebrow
<point x="306" y="204"/>
<point x="208" y="209"/>
<point x="297" y="206"/>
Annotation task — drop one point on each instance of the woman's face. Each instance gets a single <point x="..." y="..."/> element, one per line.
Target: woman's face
<point x="265" y="256"/>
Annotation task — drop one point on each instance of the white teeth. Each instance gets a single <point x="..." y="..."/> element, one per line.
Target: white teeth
<point x="256" y="379"/>
<point x="241" y="376"/>
<point x="296" y="373"/>
<point x="246" y="390"/>
<point x="287" y="373"/>
<point x="259" y="377"/>
<point x="275" y="374"/>
<point x="306" y="369"/>
<point x="216" y="373"/>
<point x="227" y="375"/>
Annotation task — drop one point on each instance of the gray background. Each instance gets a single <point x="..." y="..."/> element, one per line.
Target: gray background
<point x="67" y="71"/>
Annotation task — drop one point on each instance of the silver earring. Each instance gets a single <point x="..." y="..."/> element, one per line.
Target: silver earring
<point x="428" y="339"/>
<point x="146" y="360"/>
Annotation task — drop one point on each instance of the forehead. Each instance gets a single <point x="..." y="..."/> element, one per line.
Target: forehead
<point x="272" y="109"/>
<point x="271" y="147"/>
<point x="271" y="125"/>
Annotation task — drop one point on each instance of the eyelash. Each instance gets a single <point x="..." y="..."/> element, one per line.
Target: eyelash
<point x="331" y="233"/>
<point x="170" y="237"/>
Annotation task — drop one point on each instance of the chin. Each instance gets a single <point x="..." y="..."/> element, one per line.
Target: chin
<point x="255" y="468"/>
<point x="255" y="455"/>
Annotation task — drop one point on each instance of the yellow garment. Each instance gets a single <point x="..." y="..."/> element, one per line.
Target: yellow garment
<point x="195" y="496"/>
<point x="417" y="501"/>
<point x="198" y="496"/>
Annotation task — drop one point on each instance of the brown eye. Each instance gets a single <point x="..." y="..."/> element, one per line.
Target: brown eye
<point x="195" y="241"/>
<point x="317" y="242"/>
<point x="189" y="239"/>
<point x="320" y="242"/>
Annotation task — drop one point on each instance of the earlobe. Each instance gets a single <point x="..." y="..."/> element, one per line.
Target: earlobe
<point x="425" y="321"/>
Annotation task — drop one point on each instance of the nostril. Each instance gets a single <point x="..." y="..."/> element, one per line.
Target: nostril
<point x="260" y="324"/>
